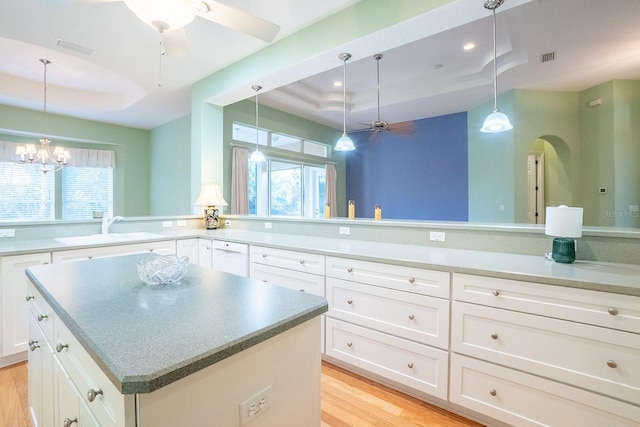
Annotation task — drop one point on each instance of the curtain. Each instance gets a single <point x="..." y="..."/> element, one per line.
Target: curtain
<point x="80" y="157"/>
<point x="240" y="181"/>
<point x="330" y="188"/>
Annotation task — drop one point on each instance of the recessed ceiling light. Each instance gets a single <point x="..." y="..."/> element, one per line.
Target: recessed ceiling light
<point x="469" y="46"/>
<point x="337" y="83"/>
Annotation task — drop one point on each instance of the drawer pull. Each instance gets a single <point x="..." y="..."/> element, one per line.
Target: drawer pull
<point x="32" y="342"/>
<point x="264" y="280"/>
<point x="412" y="279"/>
<point x="494" y="336"/>
<point x="264" y="255"/>
<point x="68" y="421"/>
<point x="41" y="317"/>
<point x="349" y="344"/>
<point x="301" y="261"/>
<point x="92" y="394"/>
<point x="492" y="392"/>
<point x="410" y="365"/>
<point x="495" y="292"/>
<point x="301" y="290"/>
<point x="151" y="250"/>
<point x="612" y="311"/>
<point x="29" y="297"/>
<point x="411" y="317"/>
<point x="33" y="346"/>
<point x="90" y="257"/>
<point x="349" y="270"/>
<point x="612" y="364"/>
<point x="60" y="347"/>
<point x="350" y="301"/>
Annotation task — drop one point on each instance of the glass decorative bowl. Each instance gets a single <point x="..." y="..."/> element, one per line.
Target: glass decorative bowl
<point x="162" y="269"/>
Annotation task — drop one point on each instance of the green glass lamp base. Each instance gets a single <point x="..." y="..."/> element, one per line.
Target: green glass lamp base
<point x="564" y="250"/>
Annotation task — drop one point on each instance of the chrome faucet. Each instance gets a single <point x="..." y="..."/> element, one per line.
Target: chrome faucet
<point x="107" y="221"/>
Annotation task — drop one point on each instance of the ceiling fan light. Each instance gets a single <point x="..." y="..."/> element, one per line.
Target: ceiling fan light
<point x="162" y="14"/>
<point x="496" y="122"/>
<point x="345" y="144"/>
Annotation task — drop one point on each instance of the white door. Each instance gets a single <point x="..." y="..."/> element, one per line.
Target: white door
<point x="535" y="188"/>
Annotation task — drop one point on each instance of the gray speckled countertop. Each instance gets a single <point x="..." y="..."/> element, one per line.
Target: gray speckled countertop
<point x="145" y="337"/>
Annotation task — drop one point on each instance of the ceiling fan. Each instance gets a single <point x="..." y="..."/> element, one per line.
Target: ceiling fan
<point x="170" y="16"/>
<point x="378" y="126"/>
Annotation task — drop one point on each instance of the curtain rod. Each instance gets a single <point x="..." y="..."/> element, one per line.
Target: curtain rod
<point x="294" y="156"/>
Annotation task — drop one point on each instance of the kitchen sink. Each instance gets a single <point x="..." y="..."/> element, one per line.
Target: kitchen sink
<point x="106" y="238"/>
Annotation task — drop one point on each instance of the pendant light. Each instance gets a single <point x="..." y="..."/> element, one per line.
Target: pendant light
<point x="497" y="121"/>
<point x="29" y="153"/>
<point x="344" y="143"/>
<point x="257" y="156"/>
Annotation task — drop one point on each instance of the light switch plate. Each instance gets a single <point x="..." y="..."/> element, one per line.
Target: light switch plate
<point x="436" y="236"/>
<point x="7" y="232"/>
<point x="167" y="224"/>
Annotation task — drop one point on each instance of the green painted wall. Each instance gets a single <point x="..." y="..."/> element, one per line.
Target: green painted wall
<point x="276" y="120"/>
<point x="170" y="168"/>
<point x="131" y="192"/>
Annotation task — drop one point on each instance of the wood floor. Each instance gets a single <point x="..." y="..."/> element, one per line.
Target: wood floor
<point x="347" y="401"/>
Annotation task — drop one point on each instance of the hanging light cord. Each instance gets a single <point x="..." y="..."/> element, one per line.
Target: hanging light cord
<point x="378" y="57"/>
<point x="345" y="57"/>
<point x="257" y="88"/>
<point x="495" y="65"/>
<point x="44" y="120"/>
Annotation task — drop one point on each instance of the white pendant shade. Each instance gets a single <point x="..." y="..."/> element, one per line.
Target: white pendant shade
<point x="162" y="14"/>
<point x="257" y="157"/>
<point x="345" y="144"/>
<point x="496" y="122"/>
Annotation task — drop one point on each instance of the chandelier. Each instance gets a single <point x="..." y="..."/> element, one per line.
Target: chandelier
<point x="29" y="153"/>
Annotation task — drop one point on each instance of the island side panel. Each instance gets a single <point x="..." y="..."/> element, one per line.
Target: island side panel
<point x="289" y="363"/>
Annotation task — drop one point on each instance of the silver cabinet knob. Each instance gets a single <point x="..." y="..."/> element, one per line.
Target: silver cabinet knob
<point x="67" y="422"/>
<point x="410" y="365"/>
<point x="612" y="364"/>
<point x="301" y="261"/>
<point x="60" y="347"/>
<point x="41" y="317"/>
<point x="494" y="336"/>
<point x="492" y="392"/>
<point x="301" y="290"/>
<point x="29" y="297"/>
<point x="264" y="255"/>
<point x="350" y="301"/>
<point x="349" y="344"/>
<point x="151" y="250"/>
<point x="34" y="345"/>
<point x="349" y="270"/>
<point x="495" y="292"/>
<point x="208" y="247"/>
<point x="411" y="317"/>
<point x="32" y="342"/>
<point x="92" y="394"/>
<point x="412" y="279"/>
<point x="90" y="257"/>
<point x="612" y="311"/>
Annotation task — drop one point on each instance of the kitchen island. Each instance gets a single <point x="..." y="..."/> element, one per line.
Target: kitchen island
<point x="204" y="351"/>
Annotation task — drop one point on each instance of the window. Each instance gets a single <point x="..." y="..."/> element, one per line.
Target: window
<point x="85" y="190"/>
<point x="26" y="192"/>
<point x="247" y="133"/>
<point x="285" y="188"/>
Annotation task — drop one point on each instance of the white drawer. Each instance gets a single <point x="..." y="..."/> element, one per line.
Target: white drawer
<point x="416" y="317"/>
<point x="414" y="365"/>
<point x="596" y="308"/>
<point x="587" y="356"/>
<point x="298" y="261"/>
<point x="41" y="310"/>
<point x="416" y="280"/>
<point x="303" y="282"/>
<point x="521" y="399"/>
<point x="167" y="247"/>
<point x="108" y="406"/>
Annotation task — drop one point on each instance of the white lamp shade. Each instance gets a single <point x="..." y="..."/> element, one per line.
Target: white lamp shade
<point x="210" y="195"/>
<point x="563" y="221"/>
<point x="496" y="122"/>
<point x="175" y="14"/>
<point x="345" y="144"/>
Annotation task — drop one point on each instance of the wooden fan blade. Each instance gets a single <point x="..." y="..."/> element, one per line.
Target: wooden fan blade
<point x="239" y="20"/>
<point x="402" y="128"/>
<point x="175" y="42"/>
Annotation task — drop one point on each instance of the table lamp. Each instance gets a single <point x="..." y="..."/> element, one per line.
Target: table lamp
<point x="211" y="196"/>
<point x="565" y="223"/>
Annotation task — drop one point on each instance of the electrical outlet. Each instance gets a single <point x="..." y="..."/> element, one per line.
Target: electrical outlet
<point x="255" y="405"/>
<point x="7" y="232"/>
<point x="167" y="224"/>
<point x="267" y="225"/>
<point x="345" y="230"/>
<point x="436" y="236"/>
<point x="181" y="223"/>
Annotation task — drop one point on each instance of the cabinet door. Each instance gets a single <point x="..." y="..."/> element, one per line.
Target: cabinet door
<point x="66" y="404"/>
<point x="40" y="377"/>
<point x="15" y="327"/>
<point x="189" y="248"/>
<point x="204" y="252"/>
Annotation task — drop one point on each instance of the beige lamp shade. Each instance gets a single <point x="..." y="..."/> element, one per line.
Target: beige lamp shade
<point x="210" y="195"/>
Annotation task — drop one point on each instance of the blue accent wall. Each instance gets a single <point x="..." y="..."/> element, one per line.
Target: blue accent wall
<point x="421" y="176"/>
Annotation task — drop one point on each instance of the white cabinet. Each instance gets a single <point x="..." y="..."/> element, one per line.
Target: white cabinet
<point x="167" y="247"/>
<point x="205" y="251"/>
<point x="40" y="376"/>
<point x="391" y="321"/>
<point x="301" y="271"/>
<point x="230" y="257"/>
<point x="548" y="346"/>
<point x="188" y="248"/>
<point x="13" y="290"/>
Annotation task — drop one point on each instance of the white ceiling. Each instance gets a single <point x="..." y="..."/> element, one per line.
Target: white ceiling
<point x="424" y="71"/>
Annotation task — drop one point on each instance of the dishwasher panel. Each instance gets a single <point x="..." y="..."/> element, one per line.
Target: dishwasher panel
<point x="231" y="257"/>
